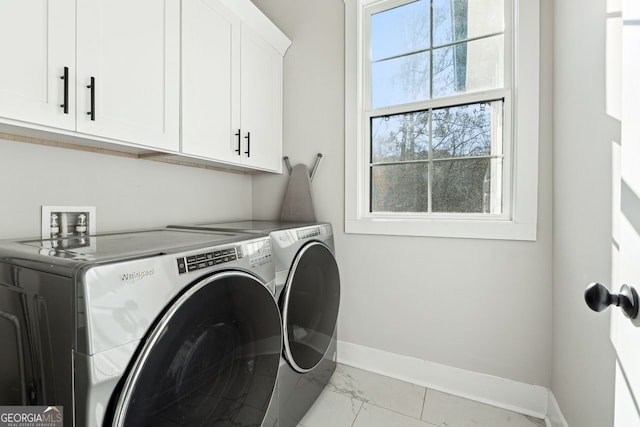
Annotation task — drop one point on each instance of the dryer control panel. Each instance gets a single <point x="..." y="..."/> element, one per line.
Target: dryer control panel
<point x="308" y="233"/>
<point x="259" y="252"/>
<point x="318" y="231"/>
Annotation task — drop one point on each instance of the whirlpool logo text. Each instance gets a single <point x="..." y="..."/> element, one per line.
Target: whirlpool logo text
<point x="135" y="276"/>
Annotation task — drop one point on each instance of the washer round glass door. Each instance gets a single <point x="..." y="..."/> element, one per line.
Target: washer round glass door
<point x="211" y="359"/>
<point x="310" y="305"/>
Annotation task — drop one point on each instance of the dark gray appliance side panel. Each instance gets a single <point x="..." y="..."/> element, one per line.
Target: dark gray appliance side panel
<point x="37" y="332"/>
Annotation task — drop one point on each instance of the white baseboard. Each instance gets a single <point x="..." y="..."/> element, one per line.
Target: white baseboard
<point x="554" y="416"/>
<point x="513" y="395"/>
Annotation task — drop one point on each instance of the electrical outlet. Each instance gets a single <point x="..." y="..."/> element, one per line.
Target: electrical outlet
<point x="65" y="221"/>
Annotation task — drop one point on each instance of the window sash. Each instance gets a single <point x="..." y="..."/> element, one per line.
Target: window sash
<point x="372" y="7"/>
<point x="506" y="214"/>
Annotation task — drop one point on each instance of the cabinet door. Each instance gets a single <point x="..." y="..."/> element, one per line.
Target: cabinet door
<point x="261" y="103"/>
<point x="37" y="41"/>
<point x="210" y="81"/>
<point x="132" y="52"/>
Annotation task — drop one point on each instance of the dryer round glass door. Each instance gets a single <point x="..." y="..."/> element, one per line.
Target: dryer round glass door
<point x="211" y="358"/>
<point x="309" y="305"/>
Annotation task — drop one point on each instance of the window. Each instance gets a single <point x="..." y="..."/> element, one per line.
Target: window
<point x="441" y="126"/>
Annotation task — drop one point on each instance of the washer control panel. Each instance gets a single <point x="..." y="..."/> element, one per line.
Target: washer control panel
<point x="209" y="259"/>
<point x="251" y="253"/>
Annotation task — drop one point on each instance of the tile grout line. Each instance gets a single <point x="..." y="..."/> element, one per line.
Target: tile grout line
<point x="424" y="405"/>
<point x="353" y="423"/>
<point x="397" y="412"/>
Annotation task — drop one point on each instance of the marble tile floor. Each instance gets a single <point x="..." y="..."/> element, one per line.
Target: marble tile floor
<point x="358" y="398"/>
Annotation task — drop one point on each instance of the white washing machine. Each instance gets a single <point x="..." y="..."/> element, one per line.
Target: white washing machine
<point x="150" y="328"/>
<point x="308" y="294"/>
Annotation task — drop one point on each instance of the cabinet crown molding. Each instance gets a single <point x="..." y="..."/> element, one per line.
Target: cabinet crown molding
<point x="252" y="16"/>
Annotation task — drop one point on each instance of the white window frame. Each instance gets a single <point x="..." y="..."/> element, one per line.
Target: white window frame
<point x="521" y="111"/>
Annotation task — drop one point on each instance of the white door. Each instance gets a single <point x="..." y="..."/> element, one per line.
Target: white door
<point x="131" y="53"/>
<point x="625" y="334"/>
<point x="37" y="41"/>
<point x="210" y="81"/>
<point x="261" y="103"/>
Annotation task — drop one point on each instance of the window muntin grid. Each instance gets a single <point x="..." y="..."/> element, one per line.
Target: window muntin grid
<point x="431" y="57"/>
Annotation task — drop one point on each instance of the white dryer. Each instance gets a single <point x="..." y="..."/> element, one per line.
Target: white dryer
<point x="308" y="294"/>
<point x="150" y="328"/>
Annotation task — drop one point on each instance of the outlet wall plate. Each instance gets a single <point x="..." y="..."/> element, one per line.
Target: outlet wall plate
<point x="67" y="218"/>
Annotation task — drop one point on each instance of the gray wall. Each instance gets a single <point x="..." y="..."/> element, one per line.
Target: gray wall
<point x="479" y="305"/>
<point x="128" y="193"/>
<point x="583" y="358"/>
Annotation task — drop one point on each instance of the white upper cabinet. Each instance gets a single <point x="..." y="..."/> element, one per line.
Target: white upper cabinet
<point x="232" y="84"/>
<point x="210" y="80"/>
<point x="37" y="42"/>
<point x="200" y="79"/>
<point x="260" y="103"/>
<point x="53" y="49"/>
<point x="128" y="72"/>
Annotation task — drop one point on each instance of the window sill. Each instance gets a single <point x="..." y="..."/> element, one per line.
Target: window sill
<point x="466" y="229"/>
